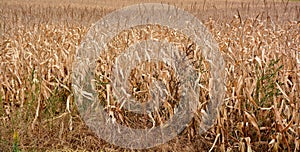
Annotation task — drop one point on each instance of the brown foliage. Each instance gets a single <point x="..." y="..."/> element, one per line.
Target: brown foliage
<point x="37" y="111"/>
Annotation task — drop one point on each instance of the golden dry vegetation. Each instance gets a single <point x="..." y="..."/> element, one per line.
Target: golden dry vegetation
<point x="259" y="42"/>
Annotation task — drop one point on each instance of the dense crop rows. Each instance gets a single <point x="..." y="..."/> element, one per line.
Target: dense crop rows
<point x="260" y="110"/>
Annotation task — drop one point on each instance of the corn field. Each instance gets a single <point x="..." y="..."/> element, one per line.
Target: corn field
<point x="258" y="41"/>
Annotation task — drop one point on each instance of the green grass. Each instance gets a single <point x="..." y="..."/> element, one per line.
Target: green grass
<point x="266" y="84"/>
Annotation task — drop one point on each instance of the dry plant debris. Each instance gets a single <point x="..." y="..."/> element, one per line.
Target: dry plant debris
<point x="261" y="109"/>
